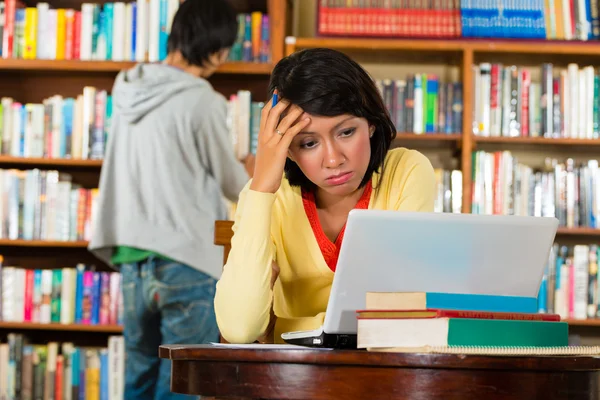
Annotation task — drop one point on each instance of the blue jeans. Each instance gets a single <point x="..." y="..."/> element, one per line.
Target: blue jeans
<point x="164" y="303"/>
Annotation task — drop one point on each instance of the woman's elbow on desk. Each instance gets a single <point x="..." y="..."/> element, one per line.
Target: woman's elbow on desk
<point x="239" y="321"/>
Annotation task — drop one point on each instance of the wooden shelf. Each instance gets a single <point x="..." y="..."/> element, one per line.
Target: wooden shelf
<point x="537" y="141"/>
<point x="454" y="45"/>
<point x="583" y="322"/>
<point x="116" y="66"/>
<point x="82" y="244"/>
<point x="578" y="232"/>
<point x="61" y="327"/>
<point x="430" y="137"/>
<point x="50" y="162"/>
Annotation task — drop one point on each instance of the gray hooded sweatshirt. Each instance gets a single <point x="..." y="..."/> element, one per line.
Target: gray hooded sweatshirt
<point x="169" y="162"/>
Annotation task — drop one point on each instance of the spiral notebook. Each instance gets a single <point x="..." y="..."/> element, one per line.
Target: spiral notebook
<point x="497" y="351"/>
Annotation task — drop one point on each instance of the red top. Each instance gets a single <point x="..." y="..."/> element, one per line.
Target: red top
<point x="330" y="250"/>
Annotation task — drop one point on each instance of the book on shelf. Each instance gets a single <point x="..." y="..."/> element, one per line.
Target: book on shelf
<point x="407" y="321"/>
<point x="449" y="190"/>
<point x="44" y="205"/>
<point x="567" y="191"/>
<point x="559" y="20"/>
<point x="78" y="295"/>
<point x="423" y="103"/>
<point x="565" y="103"/>
<point x="57" y="370"/>
<point x="252" y="43"/>
<point x="569" y="286"/>
<point x="115" y="31"/>
<point x="58" y="127"/>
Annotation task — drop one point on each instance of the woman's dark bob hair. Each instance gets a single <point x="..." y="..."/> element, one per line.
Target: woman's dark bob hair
<point x="328" y="83"/>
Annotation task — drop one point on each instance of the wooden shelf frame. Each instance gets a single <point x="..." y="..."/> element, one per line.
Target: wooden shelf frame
<point x="109" y="329"/>
<point x="470" y="50"/>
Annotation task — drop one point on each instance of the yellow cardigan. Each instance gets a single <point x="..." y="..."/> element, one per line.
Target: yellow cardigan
<point x="274" y="227"/>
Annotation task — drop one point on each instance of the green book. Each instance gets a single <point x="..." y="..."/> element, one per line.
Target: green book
<point x="417" y="333"/>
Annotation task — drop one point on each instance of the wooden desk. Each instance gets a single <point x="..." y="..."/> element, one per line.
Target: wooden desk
<point x="324" y="375"/>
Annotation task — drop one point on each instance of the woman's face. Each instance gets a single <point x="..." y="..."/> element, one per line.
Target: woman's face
<point x="333" y="152"/>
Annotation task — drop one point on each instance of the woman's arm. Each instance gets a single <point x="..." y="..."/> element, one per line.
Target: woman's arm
<point x="414" y="183"/>
<point x="244" y="292"/>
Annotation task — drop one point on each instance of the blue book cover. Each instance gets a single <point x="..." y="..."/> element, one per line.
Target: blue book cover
<point x="109" y="11"/>
<point x="79" y="294"/>
<point x="163" y="35"/>
<point x="133" y="30"/>
<point x="481" y="302"/>
<point x="104" y="392"/>
<point x="95" y="298"/>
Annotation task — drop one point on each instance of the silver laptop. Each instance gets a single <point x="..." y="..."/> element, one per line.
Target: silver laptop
<point x="391" y="251"/>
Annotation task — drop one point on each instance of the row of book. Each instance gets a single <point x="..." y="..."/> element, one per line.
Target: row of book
<point x="61" y="371"/>
<point x="417" y="322"/>
<point x="565" y="190"/>
<point x="78" y="295"/>
<point x="448" y="190"/>
<point x="44" y="205"/>
<point x="521" y="19"/>
<point x="252" y="43"/>
<point x="117" y="31"/>
<point x="565" y="103"/>
<point x="422" y="103"/>
<point x="243" y="122"/>
<point x="569" y="286"/>
<point x="59" y="127"/>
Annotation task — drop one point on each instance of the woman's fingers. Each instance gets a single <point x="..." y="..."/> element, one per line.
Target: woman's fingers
<point x="273" y="119"/>
<point x="294" y="112"/>
<point x="291" y="133"/>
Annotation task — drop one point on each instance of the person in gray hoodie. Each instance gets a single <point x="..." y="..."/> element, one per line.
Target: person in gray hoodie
<point x="169" y="163"/>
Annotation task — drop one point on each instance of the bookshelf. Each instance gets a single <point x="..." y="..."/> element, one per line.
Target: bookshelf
<point x="463" y="54"/>
<point x="34" y="80"/>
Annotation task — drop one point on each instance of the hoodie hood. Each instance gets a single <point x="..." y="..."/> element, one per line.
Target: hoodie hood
<point x="144" y="87"/>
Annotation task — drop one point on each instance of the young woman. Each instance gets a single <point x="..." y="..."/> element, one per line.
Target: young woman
<point x="323" y="150"/>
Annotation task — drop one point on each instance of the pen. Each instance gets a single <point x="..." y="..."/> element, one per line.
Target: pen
<point x="275" y="98"/>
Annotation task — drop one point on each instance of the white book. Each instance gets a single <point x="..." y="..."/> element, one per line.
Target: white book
<point x="572" y="130"/>
<point x="418" y="106"/>
<point x="485" y="84"/>
<point x="141" y="30"/>
<point x="87" y="23"/>
<point x="116" y="367"/>
<point x="67" y="352"/>
<point x="43" y="52"/>
<point x="16" y="135"/>
<point x="66" y="305"/>
<point x="50" y="34"/>
<point x="128" y="32"/>
<point x="118" y="39"/>
<point x="580" y="264"/>
<point x="6" y="124"/>
<point x="243" y="133"/>
<point x="45" y="307"/>
<point x="172" y="7"/>
<point x="56" y="103"/>
<point x="9" y="288"/>
<point x="153" y="30"/>
<point x="87" y="121"/>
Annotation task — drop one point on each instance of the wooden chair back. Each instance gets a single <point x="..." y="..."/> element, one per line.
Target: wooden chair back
<point x="223" y="235"/>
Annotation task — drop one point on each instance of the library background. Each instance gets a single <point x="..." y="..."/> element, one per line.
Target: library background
<point x="506" y="105"/>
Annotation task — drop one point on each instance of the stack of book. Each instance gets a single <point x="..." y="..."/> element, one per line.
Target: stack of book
<point x="438" y="322"/>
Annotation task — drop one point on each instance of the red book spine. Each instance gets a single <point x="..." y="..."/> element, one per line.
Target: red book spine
<point x="77" y="36"/>
<point x="29" y="275"/>
<point x="58" y="377"/>
<point x="525" y="84"/>
<point x="9" y="28"/>
<point x="469" y="314"/>
<point x="69" y="32"/>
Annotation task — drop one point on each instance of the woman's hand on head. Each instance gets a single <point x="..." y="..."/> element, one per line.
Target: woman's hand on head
<point x="274" y="139"/>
